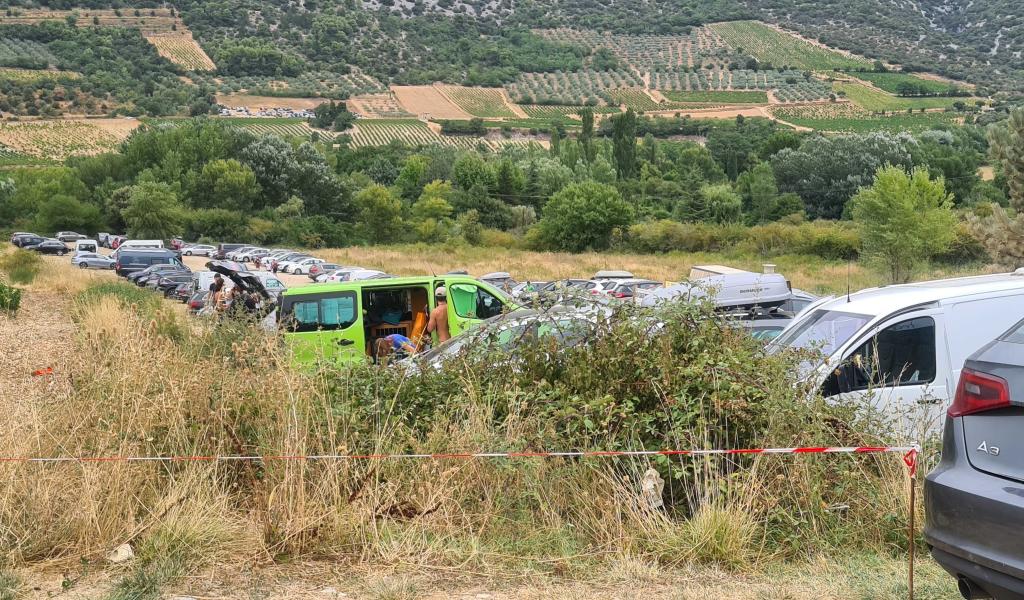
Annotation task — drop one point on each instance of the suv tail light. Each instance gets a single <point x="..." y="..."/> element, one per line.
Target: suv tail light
<point x="978" y="392"/>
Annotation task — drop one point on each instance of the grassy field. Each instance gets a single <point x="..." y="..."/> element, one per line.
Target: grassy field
<point x="59" y="139"/>
<point x="770" y="45"/>
<point x="806" y="272"/>
<point x="875" y="100"/>
<point x="722" y="97"/>
<point x="852" y="119"/>
<point x="890" y="82"/>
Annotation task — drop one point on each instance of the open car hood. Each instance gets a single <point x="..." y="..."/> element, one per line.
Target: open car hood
<point x="239" y="275"/>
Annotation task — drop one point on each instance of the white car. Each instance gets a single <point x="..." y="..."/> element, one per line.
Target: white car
<point x="234" y="255"/>
<point x="286" y="266"/>
<point x="302" y="267"/>
<point x="199" y="250"/>
<point x="343" y="275"/>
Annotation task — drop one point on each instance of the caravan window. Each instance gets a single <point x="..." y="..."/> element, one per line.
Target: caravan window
<point x="320" y="313"/>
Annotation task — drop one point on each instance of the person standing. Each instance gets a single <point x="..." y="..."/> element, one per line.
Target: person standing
<point x="439" y="316"/>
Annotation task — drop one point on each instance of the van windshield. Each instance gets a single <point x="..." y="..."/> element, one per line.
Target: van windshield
<point x="822" y="330"/>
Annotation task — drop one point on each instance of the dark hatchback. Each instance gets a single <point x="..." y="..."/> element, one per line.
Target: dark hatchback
<point x="974" y="499"/>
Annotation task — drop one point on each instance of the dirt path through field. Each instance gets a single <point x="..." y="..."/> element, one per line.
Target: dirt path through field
<point x="515" y="108"/>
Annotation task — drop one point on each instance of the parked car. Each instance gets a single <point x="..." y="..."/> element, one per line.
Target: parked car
<point x="49" y="247"/>
<point x="86" y="246"/>
<point x="278" y="262"/>
<point x="181" y="292"/>
<point x="70" y="236"/>
<point x="92" y="260"/>
<point x="197" y="301"/>
<point x="500" y="280"/>
<point x="900" y="348"/>
<point x="302" y="267"/>
<point x="974" y="503"/>
<point x="143" y="274"/>
<point x="103" y="238"/>
<point x="131" y="260"/>
<point x="28" y="239"/>
<point x="252" y="256"/>
<point x="624" y="289"/>
<point x="18" y="234"/>
<point x="199" y="250"/>
<point x="343" y="275"/>
<point x="168" y="281"/>
<point x="236" y="254"/>
<point x="224" y="249"/>
<point x="150" y="279"/>
<point x="496" y="337"/>
<point x="319" y="268"/>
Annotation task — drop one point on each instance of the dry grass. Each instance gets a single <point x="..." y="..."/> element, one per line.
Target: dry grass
<point x="127" y="383"/>
<point x="805" y="272"/>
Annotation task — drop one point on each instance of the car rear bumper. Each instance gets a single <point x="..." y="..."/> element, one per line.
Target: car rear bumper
<point x="974" y="520"/>
<point x="999" y="585"/>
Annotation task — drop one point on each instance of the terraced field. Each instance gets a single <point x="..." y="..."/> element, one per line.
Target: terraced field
<point x="540" y="111"/>
<point x="378" y="106"/>
<point x="182" y="49"/>
<point x="876" y="100"/>
<point x="57" y="140"/>
<point x="645" y="52"/>
<point x="573" y="88"/>
<point x="33" y="75"/>
<point x="283" y="128"/>
<point x="15" y="51"/>
<point x="720" y="97"/>
<point x="769" y="45"/>
<point x="487" y="103"/>
<point x="314" y="83"/>
<point x="844" y="117"/>
<point x="891" y="82"/>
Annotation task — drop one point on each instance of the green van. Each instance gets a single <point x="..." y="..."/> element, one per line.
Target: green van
<point x="340" y="322"/>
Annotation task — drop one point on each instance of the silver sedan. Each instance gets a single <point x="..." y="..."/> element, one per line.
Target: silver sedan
<point x="92" y="260"/>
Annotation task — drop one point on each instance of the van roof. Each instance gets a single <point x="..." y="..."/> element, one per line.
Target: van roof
<point x="883" y="300"/>
<point x="320" y="288"/>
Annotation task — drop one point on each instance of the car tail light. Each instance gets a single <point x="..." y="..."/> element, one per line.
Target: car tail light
<point x="978" y="392"/>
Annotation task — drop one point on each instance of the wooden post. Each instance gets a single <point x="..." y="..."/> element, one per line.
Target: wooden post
<point x="910" y="538"/>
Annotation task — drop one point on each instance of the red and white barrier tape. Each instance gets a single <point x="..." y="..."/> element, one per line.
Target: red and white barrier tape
<point x="909" y="455"/>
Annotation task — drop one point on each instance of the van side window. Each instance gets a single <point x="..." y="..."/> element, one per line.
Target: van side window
<point x="337" y="311"/>
<point x="901" y="354"/>
<point x="472" y="302"/>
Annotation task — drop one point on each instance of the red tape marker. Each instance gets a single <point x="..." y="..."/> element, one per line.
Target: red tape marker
<point x="909" y="455"/>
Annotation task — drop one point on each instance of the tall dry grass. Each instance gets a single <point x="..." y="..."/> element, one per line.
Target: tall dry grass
<point x="142" y="382"/>
<point x="806" y="272"/>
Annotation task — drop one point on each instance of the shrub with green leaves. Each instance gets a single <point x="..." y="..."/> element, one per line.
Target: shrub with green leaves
<point x="21" y="266"/>
<point x="10" y="298"/>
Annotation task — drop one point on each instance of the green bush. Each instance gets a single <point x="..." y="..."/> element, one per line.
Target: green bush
<point x="21" y="266"/>
<point x="965" y="249"/>
<point x="833" y="241"/>
<point x="10" y="298"/>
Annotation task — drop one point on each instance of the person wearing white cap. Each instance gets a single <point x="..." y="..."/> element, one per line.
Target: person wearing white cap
<point x="439" y="316"/>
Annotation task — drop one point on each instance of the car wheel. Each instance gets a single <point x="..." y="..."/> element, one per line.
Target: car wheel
<point x="83" y="265"/>
<point x="188" y="253"/>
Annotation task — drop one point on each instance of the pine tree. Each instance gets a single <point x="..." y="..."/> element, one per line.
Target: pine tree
<point x="1000" y="234"/>
<point x="586" y="138"/>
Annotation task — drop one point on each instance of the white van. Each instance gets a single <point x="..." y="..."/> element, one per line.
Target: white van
<point x="142" y="244"/>
<point x="86" y="246"/>
<point x="900" y="348"/>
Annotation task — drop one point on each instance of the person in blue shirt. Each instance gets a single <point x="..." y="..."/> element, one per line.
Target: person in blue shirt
<point x="395" y="344"/>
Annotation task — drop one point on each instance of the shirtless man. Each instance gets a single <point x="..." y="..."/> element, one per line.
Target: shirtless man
<point x="439" y="316"/>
